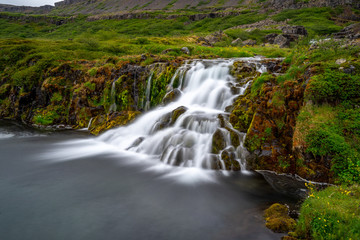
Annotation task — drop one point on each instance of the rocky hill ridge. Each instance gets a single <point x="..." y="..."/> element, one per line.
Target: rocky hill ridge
<point x="70" y="7"/>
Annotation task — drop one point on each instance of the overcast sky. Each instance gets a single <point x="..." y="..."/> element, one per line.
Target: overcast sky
<point x="35" y="3"/>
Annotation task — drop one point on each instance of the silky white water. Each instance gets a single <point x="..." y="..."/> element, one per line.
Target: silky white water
<point x="182" y="133"/>
<point x="205" y="87"/>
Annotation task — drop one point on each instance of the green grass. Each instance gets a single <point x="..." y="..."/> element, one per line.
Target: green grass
<point x="331" y="214"/>
<point x="120" y="28"/>
<point x="316" y="20"/>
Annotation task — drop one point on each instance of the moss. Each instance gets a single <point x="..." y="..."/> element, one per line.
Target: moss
<point x="102" y="123"/>
<point x="278" y="220"/>
<point x="218" y="141"/>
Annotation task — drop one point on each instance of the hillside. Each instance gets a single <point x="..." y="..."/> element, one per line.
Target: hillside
<point x="71" y="7"/>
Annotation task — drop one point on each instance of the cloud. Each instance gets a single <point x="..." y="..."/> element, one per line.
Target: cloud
<point x="34" y="3"/>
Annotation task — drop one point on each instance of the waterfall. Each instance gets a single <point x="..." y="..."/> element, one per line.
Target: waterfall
<point x="112" y="98"/>
<point x="186" y="132"/>
<point x="148" y="92"/>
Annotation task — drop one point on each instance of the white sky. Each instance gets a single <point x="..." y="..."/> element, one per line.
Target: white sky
<point x="34" y="3"/>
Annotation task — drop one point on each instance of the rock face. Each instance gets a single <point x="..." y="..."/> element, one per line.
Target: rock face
<point x="70" y="96"/>
<point x="290" y="34"/>
<point x="25" y="9"/>
<point x="349" y="32"/>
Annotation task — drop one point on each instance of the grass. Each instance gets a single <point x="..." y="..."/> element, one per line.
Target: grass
<point x="316" y="20"/>
<point x="332" y="214"/>
<point x="120" y="28"/>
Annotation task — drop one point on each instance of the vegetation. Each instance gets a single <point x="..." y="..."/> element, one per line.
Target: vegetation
<point x="330" y="214"/>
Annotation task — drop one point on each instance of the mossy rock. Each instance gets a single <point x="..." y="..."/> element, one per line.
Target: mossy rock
<point x="278" y="220"/>
<point x="218" y="141"/>
<point x="230" y="162"/>
<point x="177" y="113"/>
<point x="171" y="96"/>
<point x="116" y="119"/>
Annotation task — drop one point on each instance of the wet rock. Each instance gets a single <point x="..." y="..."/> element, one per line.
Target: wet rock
<point x="136" y="143"/>
<point x="214" y="162"/>
<point x="218" y="141"/>
<point x="104" y="122"/>
<point x="278" y="220"/>
<point x="185" y="50"/>
<point x="163" y="122"/>
<point x="177" y="113"/>
<point x="230" y="162"/>
<point x="171" y="96"/>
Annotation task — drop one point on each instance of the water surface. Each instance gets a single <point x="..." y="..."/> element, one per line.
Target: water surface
<point x="116" y="196"/>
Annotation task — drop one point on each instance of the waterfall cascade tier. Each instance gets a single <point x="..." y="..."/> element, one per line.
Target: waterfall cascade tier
<point x="193" y="130"/>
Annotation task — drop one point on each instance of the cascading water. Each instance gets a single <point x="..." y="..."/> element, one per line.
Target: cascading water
<point x="191" y="131"/>
<point x="112" y="98"/>
<point x="148" y="92"/>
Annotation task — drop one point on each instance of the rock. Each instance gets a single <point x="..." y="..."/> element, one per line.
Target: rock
<point x="236" y="42"/>
<point x="171" y="96"/>
<point x="277" y="218"/>
<point x="298" y="30"/>
<point x="282" y="41"/>
<point x="216" y="37"/>
<point x="166" y="51"/>
<point x="177" y="113"/>
<point x="249" y="42"/>
<point x="185" y="50"/>
<point x="340" y="61"/>
<point x="351" y="32"/>
<point x="349" y="70"/>
<point x="289" y="184"/>
<point x="230" y="161"/>
<point x="218" y="141"/>
<point x="270" y="38"/>
<point x="136" y="142"/>
<point x="162" y="123"/>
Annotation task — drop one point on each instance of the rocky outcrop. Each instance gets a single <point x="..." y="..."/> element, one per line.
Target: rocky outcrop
<point x="36" y="18"/>
<point x="297" y="4"/>
<point x="350" y="32"/>
<point x="25" y="9"/>
<point x="290" y="34"/>
<point x="70" y="96"/>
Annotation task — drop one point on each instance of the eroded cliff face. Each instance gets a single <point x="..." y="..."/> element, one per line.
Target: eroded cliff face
<point x="75" y="92"/>
<point x="268" y="114"/>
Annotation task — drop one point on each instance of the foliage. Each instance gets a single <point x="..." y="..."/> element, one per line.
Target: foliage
<point x="316" y="20"/>
<point x="334" y="86"/>
<point x="331" y="214"/>
<point x="258" y="82"/>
